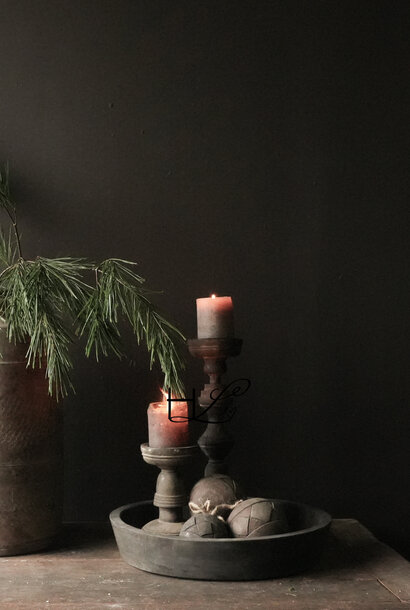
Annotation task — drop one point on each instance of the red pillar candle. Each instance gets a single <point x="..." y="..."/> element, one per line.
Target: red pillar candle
<point x="163" y="432"/>
<point x="215" y="317"/>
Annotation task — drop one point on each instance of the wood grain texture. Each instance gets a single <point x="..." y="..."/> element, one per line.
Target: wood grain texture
<point x="31" y="455"/>
<point x="355" y="572"/>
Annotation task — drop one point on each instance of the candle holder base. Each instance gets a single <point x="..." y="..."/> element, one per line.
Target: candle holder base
<point x="163" y="528"/>
<point x="170" y="495"/>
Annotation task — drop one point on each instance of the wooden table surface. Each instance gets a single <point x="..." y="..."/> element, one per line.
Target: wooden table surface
<point x="86" y="573"/>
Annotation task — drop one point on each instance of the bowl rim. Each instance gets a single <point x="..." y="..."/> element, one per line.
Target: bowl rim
<point x="118" y="522"/>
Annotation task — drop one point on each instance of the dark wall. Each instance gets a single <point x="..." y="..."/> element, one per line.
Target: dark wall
<point x="257" y="149"/>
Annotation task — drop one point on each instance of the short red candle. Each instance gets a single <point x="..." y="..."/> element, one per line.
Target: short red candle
<point x="162" y="432"/>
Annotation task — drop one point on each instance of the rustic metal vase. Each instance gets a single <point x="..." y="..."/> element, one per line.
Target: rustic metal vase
<point x="31" y="455"/>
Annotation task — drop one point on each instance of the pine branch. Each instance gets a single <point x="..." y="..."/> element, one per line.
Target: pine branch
<point x="8" y="252"/>
<point x="6" y="201"/>
<point x="120" y="293"/>
<point x="103" y="336"/>
<point x="47" y="302"/>
<point x="14" y="308"/>
<point x="39" y="299"/>
<point x="8" y="205"/>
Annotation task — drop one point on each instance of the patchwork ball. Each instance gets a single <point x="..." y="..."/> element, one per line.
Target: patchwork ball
<point x="257" y="517"/>
<point x="204" y="525"/>
<point x="215" y="490"/>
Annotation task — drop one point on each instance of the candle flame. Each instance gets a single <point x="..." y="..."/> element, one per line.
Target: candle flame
<point x="213" y="296"/>
<point x="164" y="396"/>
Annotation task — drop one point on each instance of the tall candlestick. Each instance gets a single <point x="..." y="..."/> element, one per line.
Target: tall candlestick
<point x="163" y="432"/>
<point x="215" y="317"/>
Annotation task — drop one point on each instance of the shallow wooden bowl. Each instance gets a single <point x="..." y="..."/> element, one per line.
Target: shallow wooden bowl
<point x="222" y="558"/>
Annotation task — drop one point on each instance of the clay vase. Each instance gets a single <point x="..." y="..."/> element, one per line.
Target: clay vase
<point x="31" y="455"/>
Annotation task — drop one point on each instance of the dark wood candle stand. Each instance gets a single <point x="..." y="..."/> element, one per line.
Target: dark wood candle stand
<point x="216" y="442"/>
<point x="170" y="496"/>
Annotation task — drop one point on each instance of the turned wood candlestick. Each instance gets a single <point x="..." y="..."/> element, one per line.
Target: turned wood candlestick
<point x="216" y="441"/>
<point x="170" y="496"/>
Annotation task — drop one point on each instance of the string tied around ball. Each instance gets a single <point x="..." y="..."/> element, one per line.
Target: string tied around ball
<point x="205" y="507"/>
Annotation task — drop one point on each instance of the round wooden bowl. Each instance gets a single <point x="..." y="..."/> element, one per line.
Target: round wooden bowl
<point x="223" y="558"/>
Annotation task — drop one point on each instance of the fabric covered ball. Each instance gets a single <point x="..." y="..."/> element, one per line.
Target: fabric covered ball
<point x="257" y="517"/>
<point x="204" y="525"/>
<point x="213" y="491"/>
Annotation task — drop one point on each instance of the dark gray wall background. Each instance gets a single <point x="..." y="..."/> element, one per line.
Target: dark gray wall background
<point x="257" y="149"/>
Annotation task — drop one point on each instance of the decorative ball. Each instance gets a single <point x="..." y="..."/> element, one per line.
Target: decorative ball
<point x="204" y="525"/>
<point x="257" y="517"/>
<point x="215" y="490"/>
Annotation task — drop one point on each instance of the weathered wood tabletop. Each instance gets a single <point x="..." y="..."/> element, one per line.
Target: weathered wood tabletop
<point x="86" y="573"/>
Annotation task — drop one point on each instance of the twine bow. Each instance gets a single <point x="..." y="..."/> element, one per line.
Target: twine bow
<point x="206" y="508"/>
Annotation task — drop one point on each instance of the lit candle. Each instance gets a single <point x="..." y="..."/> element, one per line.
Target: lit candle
<point x="215" y="317"/>
<point x="163" y="432"/>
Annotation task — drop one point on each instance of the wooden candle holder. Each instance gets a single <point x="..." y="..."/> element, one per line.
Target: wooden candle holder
<point x="216" y="441"/>
<point x="170" y="496"/>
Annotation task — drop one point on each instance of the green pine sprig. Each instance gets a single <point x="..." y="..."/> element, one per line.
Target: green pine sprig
<point x="48" y="302"/>
<point x="120" y="294"/>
